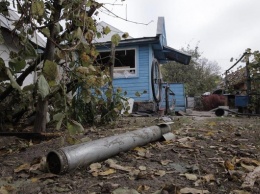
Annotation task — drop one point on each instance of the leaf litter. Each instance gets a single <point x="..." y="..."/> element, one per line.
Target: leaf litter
<point x="207" y="156"/>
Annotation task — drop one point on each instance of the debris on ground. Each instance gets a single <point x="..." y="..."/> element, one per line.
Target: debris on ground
<point x="207" y="155"/>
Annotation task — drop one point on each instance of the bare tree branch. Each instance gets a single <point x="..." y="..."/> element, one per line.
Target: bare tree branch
<point x="116" y="16"/>
<point x="21" y="78"/>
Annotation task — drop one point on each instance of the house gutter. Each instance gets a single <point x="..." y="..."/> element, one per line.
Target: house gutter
<point x="148" y="40"/>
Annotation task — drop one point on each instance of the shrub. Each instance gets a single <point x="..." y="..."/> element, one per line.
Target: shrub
<point x="212" y="101"/>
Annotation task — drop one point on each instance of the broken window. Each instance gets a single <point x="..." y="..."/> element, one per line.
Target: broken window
<point x="125" y="62"/>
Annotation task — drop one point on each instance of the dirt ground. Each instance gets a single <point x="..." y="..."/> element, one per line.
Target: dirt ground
<point x="207" y="154"/>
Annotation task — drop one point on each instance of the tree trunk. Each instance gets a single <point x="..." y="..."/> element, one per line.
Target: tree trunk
<point x="41" y="116"/>
<point x="112" y="60"/>
<point x="42" y="107"/>
<point x="111" y="70"/>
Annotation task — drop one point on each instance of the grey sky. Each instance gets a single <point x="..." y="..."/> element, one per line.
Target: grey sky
<point x="223" y="28"/>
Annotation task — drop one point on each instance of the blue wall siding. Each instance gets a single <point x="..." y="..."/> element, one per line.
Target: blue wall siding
<point x="180" y="102"/>
<point x="140" y="83"/>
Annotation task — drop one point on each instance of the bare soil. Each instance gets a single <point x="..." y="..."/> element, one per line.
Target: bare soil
<point x="208" y="154"/>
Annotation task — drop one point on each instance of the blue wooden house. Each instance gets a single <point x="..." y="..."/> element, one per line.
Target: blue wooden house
<point x="134" y="58"/>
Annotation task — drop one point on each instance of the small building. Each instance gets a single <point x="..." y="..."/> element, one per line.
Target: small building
<point x="134" y="59"/>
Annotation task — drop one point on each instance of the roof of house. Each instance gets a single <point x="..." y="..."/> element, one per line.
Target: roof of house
<point x="162" y="52"/>
<point x="107" y="37"/>
<point x="7" y="22"/>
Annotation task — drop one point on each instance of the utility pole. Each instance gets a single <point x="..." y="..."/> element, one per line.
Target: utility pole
<point x="248" y="81"/>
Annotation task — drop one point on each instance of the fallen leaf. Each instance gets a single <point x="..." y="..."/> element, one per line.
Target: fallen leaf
<point x="112" y="164"/>
<point x="35" y="167"/>
<point x="142" y="168"/>
<point x="210" y="133"/>
<point x="40" y="165"/>
<point x="165" y="162"/>
<point x="191" y="177"/>
<point x="25" y="166"/>
<point x="193" y="191"/>
<point x="48" y="181"/>
<point x="249" y="168"/>
<point x="160" y="173"/>
<point x="114" y="185"/>
<point x="85" y="139"/>
<point x="256" y="162"/>
<point x="134" y="172"/>
<point x="248" y="161"/>
<point x="141" y="151"/>
<point x="198" y="182"/>
<point x="251" y="178"/>
<point x="148" y="154"/>
<point x="228" y="165"/>
<point x="34" y="180"/>
<point x="46" y="176"/>
<point x="94" y="167"/>
<point x="233" y="160"/>
<point x="125" y="191"/>
<point x="107" y="172"/>
<point x="212" y="124"/>
<point x="143" y="188"/>
<point x="23" y="175"/>
<point x="186" y="145"/>
<point x="169" y="142"/>
<point x="209" y="177"/>
<point x="3" y="190"/>
<point x="30" y="143"/>
<point x="61" y="189"/>
<point x="239" y="192"/>
<point x="185" y="139"/>
<point x="95" y="173"/>
<point x="6" y="189"/>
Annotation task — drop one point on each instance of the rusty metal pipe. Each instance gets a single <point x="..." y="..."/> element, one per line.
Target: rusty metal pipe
<point x="68" y="158"/>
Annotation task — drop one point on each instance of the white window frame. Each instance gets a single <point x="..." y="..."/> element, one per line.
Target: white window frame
<point x="125" y="71"/>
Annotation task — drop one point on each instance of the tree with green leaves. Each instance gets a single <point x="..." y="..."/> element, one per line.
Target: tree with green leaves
<point x="253" y="70"/>
<point x="66" y="65"/>
<point x="246" y="79"/>
<point x="200" y="76"/>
